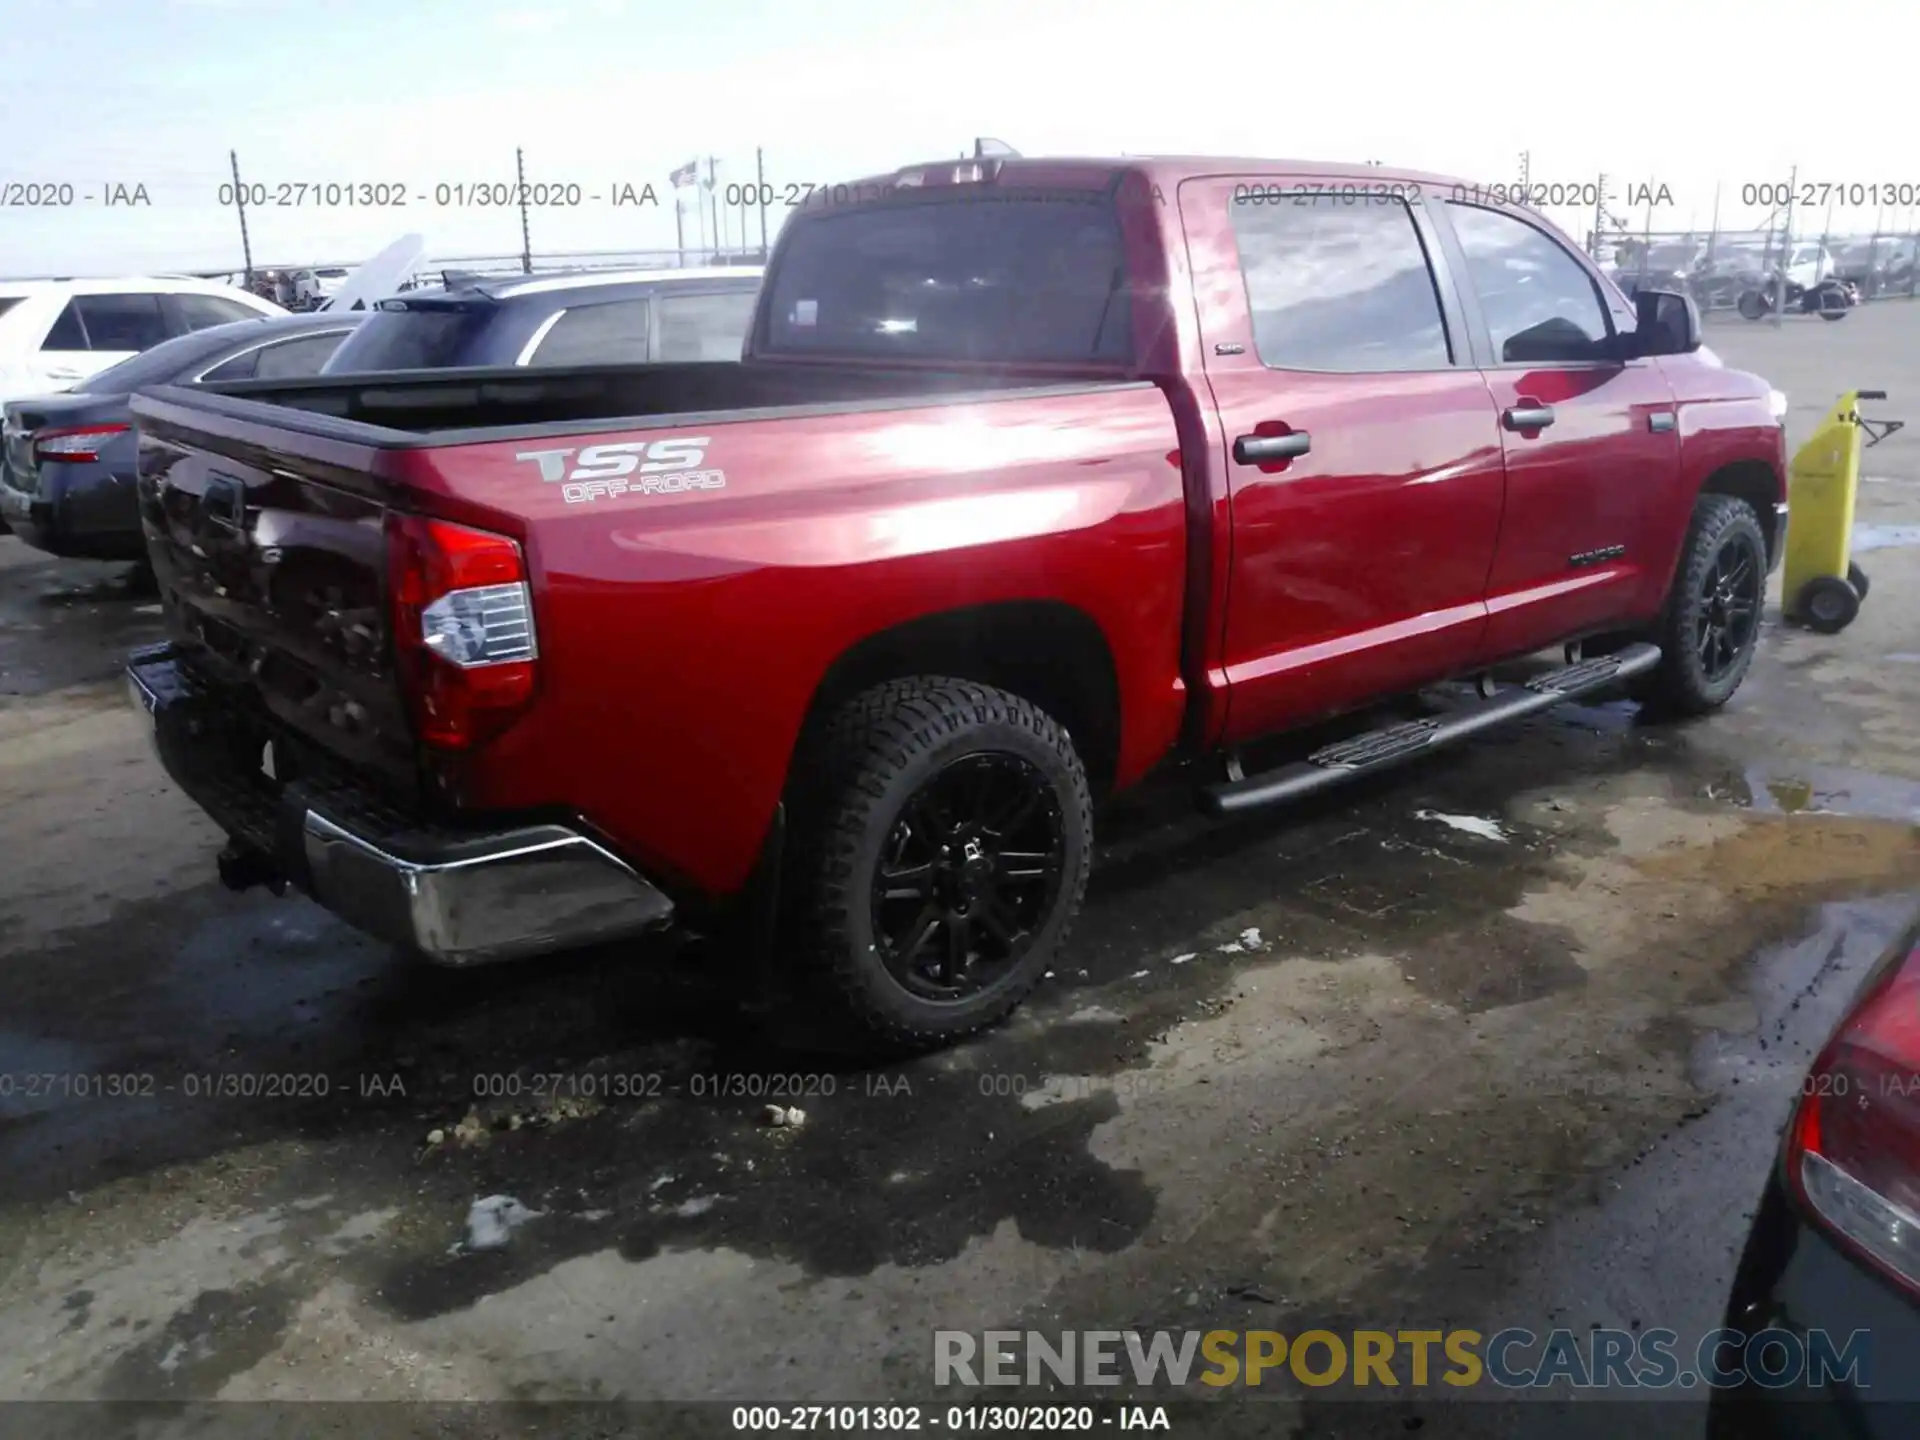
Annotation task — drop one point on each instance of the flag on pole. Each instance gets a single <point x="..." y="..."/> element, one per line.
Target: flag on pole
<point x="685" y="175"/>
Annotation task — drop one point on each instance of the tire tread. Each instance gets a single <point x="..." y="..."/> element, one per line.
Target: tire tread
<point x="1674" y="688"/>
<point x="855" y="757"/>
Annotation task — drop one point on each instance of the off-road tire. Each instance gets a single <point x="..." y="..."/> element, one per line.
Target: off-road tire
<point x="854" y="778"/>
<point x="1680" y="685"/>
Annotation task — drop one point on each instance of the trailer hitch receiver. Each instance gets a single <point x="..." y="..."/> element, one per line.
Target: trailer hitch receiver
<point x="242" y="867"/>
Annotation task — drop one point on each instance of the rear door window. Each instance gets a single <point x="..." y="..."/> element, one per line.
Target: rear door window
<point x="611" y="333"/>
<point x="198" y="312"/>
<point x="297" y="358"/>
<point x="704" y="327"/>
<point x="122" y="322"/>
<point x="1006" y="276"/>
<point x="240" y="367"/>
<point x="1338" y="283"/>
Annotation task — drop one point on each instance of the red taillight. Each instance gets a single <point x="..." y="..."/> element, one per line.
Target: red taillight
<point x="76" y="445"/>
<point x="462" y="629"/>
<point x="1853" y="1154"/>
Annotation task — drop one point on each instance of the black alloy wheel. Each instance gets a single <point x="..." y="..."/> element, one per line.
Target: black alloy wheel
<point x="942" y="837"/>
<point x="969" y="874"/>
<point x="1709" y="629"/>
<point x="1729" y="610"/>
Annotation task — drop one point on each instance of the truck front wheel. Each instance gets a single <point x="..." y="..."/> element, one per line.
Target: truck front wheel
<point x="941" y="852"/>
<point x="1711" y="623"/>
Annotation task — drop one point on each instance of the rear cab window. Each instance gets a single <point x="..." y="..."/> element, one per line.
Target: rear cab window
<point x="1009" y="276"/>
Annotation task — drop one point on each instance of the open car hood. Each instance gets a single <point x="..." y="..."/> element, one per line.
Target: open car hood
<point x="379" y="277"/>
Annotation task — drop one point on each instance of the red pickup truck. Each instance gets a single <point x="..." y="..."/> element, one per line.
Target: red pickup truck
<point x="1035" y="476"/>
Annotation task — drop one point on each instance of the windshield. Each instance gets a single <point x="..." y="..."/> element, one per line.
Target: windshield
<point x="421" y="336"/>
<point x="1006" y="277"/>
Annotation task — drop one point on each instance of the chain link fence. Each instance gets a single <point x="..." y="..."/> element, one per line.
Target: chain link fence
<point x="279" y="283"/>
<point x="726" y="210"/>
<point x="1718" y="267"/>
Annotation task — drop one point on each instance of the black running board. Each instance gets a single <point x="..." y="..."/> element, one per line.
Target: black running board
<point x="1378" y="750"/>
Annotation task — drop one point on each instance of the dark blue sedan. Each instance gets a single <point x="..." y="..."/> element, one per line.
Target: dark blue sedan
<point x="67" y="460"/>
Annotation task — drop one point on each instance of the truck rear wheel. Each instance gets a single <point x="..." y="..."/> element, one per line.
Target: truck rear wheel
<point x="1711" y="623"/>
<point x="940" y="856"/>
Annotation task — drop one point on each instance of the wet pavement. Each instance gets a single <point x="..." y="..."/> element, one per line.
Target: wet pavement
<point x="1504" y="1040"/>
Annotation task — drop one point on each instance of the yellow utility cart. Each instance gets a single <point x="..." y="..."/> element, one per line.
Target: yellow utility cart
<point x="1822" y="588"/>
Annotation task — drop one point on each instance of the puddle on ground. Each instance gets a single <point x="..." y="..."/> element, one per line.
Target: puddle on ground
<point x="1820" y="790"/>
<point x="1870" y="536"/>
<point x="42" y="1072"/>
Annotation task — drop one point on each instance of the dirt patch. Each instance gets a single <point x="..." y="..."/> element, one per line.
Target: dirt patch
<point x="1798" y="858"/>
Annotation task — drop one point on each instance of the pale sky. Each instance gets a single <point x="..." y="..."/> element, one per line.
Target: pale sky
<point x="610" y="93"/>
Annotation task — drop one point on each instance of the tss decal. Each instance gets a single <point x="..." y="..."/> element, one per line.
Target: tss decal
<point x="612" y="462"/>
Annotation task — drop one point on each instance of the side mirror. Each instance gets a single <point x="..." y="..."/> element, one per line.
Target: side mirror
<point x="1667" y="323"/>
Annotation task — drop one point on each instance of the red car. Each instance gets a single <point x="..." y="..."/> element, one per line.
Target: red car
<point x="1035" y="476"/>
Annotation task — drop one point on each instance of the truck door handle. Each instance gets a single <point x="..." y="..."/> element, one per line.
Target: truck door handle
<point x="1260" y="449"/>
<point x="1527" y="417"/>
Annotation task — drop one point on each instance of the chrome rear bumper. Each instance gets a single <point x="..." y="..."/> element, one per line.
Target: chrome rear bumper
<point x="457" y="897"/>
<point x="509" y="894"/>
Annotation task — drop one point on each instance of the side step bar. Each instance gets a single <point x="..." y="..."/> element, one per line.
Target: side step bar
<point x="1377" y="750"/>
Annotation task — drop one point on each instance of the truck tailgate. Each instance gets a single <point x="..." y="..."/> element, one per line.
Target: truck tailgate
<point x="270" y="550"/>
